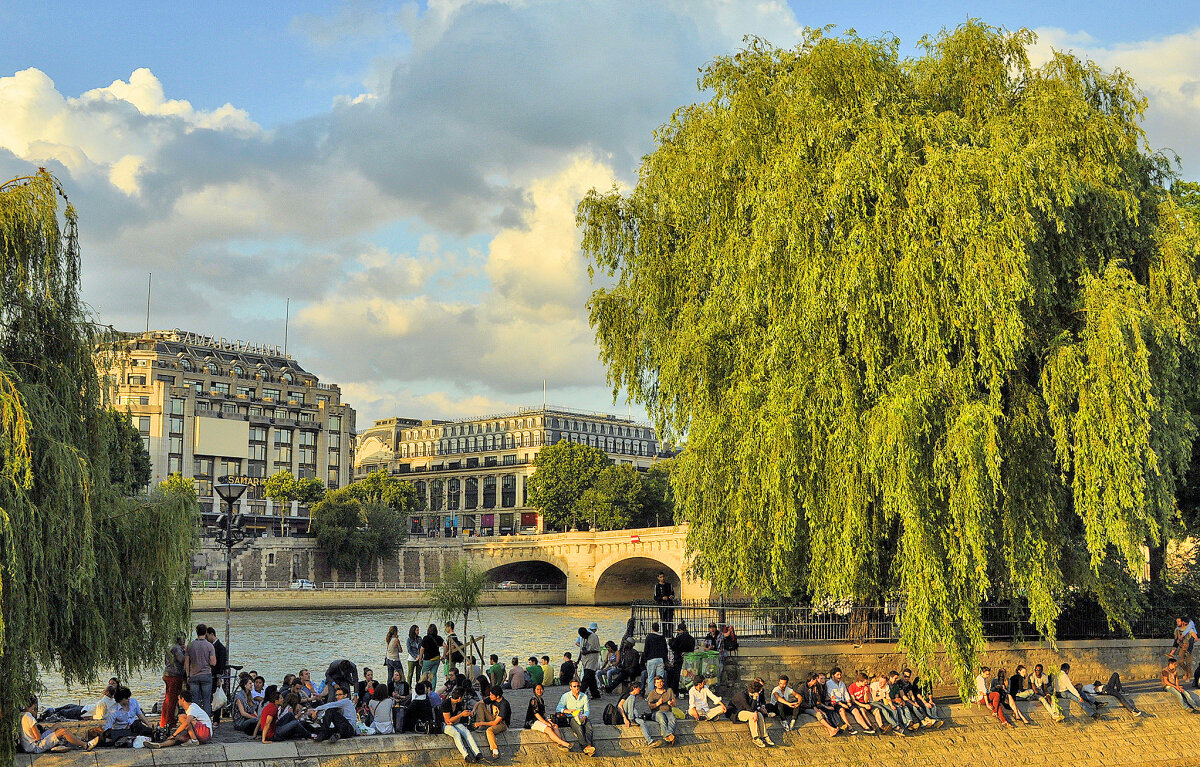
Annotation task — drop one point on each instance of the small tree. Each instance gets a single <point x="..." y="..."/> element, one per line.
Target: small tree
<point x="281" y="487"/>
<point x="129" y="469"/>
<point x="359" y="523"/>
<point x="565" y="471"/>
<point x="613" y="501"/>
<point x="458" y="592"/>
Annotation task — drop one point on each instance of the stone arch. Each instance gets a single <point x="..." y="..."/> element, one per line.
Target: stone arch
<point x="627" y="579"/>
<point x="527" y="571"/>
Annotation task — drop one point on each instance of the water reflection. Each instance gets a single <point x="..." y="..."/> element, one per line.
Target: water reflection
<point x="275" y="643"/>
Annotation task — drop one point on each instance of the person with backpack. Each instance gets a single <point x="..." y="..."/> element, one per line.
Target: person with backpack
<point x="634" y="711"/>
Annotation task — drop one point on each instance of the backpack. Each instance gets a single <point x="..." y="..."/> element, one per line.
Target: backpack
<point x="612" y="715"/>
<point x="731" y="641"/>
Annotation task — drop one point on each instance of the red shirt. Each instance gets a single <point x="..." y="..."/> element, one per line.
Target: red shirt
<point x="269" y="710"/>
<point x="860" y="692"/>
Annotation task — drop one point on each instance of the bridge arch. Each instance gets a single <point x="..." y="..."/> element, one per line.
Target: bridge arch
<point x="632" y="578"/>
<point x="527" y="571"/>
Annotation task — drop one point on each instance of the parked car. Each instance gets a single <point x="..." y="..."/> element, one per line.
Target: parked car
<point x="507" y="585"/>
<point x="303" y="584"/>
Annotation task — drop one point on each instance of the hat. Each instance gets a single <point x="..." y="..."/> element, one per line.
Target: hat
<point x="593" y="626"/>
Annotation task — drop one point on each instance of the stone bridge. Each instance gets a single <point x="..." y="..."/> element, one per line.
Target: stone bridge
<point x="608" y="567"/>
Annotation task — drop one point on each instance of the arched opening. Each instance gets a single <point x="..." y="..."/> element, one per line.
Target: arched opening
<point x="536" y="577"/>
<point x="632" y="579"/>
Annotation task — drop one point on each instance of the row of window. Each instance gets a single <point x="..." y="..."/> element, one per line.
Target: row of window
<point x="235" y="371"/>
<point x="454" y="494"/>
<point x="466" y="430"/>
<point x="519" y="440"/>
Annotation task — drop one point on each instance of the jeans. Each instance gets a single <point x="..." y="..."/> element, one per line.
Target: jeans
<point x="1184" y="697"/>
<point x="290" y="730"/>
<point x="654" y="667"/>
<point x="202" y="688"/>
<point x="582" y="730"/>
<point x="644" y="726"/>
<point x="412" y="677"/>
<point x="430" y="667"/>
<point x="1115" y="689"/>
<point x="787" y="715"/>
<point x="333" y="720"/>
<point x="1067" y="697"/>
<point x="666" y="722"/>
<point x="462" y="739"/>
<point x="887" y="712"/>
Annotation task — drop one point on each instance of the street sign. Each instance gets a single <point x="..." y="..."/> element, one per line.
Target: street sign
<point x="635" y="539"/>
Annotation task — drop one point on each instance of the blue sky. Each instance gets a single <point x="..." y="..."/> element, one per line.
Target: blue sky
<point x="406" y="173"/>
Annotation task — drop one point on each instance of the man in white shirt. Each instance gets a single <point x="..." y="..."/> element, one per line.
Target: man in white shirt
<point x="98" y="711"/>
<point x="1065" y="691"/>
<point x="194" y="724"/>
<point x="703" y="703"/>
<point x="35" y="741"/>
<point x="787" y="705"/>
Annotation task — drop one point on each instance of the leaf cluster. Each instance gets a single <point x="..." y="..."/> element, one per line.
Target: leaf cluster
<point x="358" y="524"/>
<point x="577" y="485"/>
<point x="282" y="487"/>
<point x="929" y="325"/>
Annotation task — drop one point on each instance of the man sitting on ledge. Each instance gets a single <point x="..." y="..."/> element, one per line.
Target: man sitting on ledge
<point x="742" y="709"/>
<point x="703" y="703"/>
<point x="336" y="717"/>
<point x="1170" y="683"/>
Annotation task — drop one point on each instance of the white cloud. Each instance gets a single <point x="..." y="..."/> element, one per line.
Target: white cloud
<point x="1167" y="69"/>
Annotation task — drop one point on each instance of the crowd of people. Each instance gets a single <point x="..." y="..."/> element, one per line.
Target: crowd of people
<point x="654" y="690"/>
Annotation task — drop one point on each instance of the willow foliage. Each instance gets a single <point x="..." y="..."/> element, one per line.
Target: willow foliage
<point x="924" y="323"/>
<point x="91" y="580"/>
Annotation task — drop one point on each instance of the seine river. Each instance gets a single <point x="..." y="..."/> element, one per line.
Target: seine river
<point x="275" y="643"/>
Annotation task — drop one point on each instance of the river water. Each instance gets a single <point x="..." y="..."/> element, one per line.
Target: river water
<point x="275" y="643"/>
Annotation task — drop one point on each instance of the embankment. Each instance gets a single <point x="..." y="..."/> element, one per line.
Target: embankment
<point x="1166" y="736"/>
<point x="345" y="599"/>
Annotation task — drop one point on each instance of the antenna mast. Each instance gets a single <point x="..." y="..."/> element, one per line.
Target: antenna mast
<point x="149" y="283"/>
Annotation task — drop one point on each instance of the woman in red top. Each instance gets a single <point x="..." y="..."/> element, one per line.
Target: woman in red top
<point x="269" y="716"/>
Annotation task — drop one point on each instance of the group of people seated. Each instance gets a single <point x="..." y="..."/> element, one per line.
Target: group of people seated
<point x="1002" y="692"/>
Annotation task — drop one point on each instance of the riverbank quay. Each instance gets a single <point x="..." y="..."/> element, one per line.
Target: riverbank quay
<point x="1089" y="658"/>
<point x="1165" y="737"/>
<point x="245" y="600"/>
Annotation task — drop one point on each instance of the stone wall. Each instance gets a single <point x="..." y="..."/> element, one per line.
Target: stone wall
<point x="356" y="599"/>
<point x="1089" y="659"/>
<point x="1167" y="736"/>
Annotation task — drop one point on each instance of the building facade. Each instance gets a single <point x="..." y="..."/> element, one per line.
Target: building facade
<point x="472" y="473"/>
<point x="209" y="407"/>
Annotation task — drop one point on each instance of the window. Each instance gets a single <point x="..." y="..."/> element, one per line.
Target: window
<point x="322" y="400"/>
<point x="509" y="460"/>
<point x="197" y="385"/>
<point x="508" y="495"/>
<point x="176" y="444"/>
<point x="335" y="441"/>
<point x="245" y="391"/>
<point x="258" y="433"/>
<point x="271" y="394"/>
<point x="228" y="407"/>
<point x="281" y="412"/>
<point x="254" y="469"/>
<point x="211" y="368"/>
<point x="305" y="416"/>
<point x="238" y="372"/>
<point x="202" y="467"/>
<point x="286" y="378"/>
<point x="270" y="557"/>
<point x="489" y="492"/>
<point x="332" y="482"/>
<point x="283" y="455"/>
<point x="176" y="424"/>
<point x="231" y="467"/>
<point x="308" y="439"/>
<point x="168" y="380"/>
<point x="136" y="380"/>
<point x="143" y="424"/>
<point x="185" y="364"/>
<point x="283" y="436"/>
<point x="257" y="453"/>
<point x="176" y="406"/>
<point x="256" y="410"/>
<point x="335" y="423"/>
<point x="175" y="464"/>
<point x="296" y="395"/>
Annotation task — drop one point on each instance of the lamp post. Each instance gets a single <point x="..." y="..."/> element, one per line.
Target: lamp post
<point x="229" y="534"/>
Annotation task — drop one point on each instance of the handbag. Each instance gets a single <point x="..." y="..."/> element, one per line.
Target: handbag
<point x="563" y="720"/>
<point x="423" y="727"/>
<point x="678" y="712"/>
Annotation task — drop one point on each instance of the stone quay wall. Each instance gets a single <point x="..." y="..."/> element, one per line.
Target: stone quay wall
<point x="1166" y="737"/>
<point x="354" y="599"/>
<point x="1089" y="659"/>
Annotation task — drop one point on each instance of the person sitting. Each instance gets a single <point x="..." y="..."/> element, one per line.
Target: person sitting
<point x="269" y="727"/>
<point x="125" y="719"/>
<point x="1065" y="691"/>
<point x="498" y="717"/>
<point x="566" y="670"/>
<point x="455" y="679"/>
<point x="548" y="678"/>
<point x="245" y="713"/>
<point x="1114" y="689"/>
<point x="380" y="707"/>
<point x="788" y="706"/>
<point x="36" y="741"/>
<point x="471" y="668"/>
<point x="860" y="698"/>
<point x="291" y="723"/>
<point x="635" y="712"/>
<point x="1170" y="683"/>
<point x="398" y="687"/>
<point x="495" y="672"/>
<point x="1019" y="689"/>
<point x="308" y="691"/>
<point x="712" y="640"/>
<point x="365" y="690"/>
<point x="610" y="671"/>
<point x="1000" y="685"/>
<point x="985" y="696"/>
<point x="453" y="712"/>
<point x="194" y="724"/>
<point x="420" y="709"/>
<point x="743" y="708"/>
<point x="839" y="698"/>
<point x="629" y="664"/>
<point x="662" y="702"/>
<point x="533" y="672"/>
<point x="258" y="688"/>
<point x="881" y="702"/>
<point x="98" y="711"/>
<point x="336" y="719"/>
<point x="1043" y="688"/>
<point x="922" y="704"/>
<point x="574" y="704"/>
<point x="515" y="678"/>
<point x="703" y="703"/>
<point x="536" y="719"/>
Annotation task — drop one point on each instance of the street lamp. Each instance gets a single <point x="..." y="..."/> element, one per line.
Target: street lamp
<point x="229" y="534"/>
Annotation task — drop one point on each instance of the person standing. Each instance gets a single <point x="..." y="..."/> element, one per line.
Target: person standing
<point x="199" y="661"/>
<point x="218" y="668"/>
<point x="391" y="653"/>
<point x="412" y="645"/>
<point x="430" y="653"/>
<point x="664" y="597"/>
<point x="681" y="644"/>
<point x="654" y="653"/>
<point x="174" y="677"/>
<point x="589" y="659"/>
<point x="1185" y="640"/>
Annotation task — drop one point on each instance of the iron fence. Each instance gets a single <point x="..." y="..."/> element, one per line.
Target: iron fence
<point x="219" y="585"/>
<point x="848" y="622"/>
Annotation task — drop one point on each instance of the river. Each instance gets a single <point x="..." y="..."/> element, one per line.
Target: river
<point x="275" y="643"/>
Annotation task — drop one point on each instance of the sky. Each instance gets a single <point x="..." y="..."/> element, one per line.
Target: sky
<point x="406" y="174"/>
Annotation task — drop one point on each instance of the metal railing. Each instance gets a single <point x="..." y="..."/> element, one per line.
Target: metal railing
<point x="219" y="585"/>
<point x="847" y="622"/>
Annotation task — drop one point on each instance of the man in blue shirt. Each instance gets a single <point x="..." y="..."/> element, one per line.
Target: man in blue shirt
<point x="575" y="705"/>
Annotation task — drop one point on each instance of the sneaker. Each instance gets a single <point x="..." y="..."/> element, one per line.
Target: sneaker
<point x="495" y="753"/>
<point x="654" y="744"/>
<point x="191" y="742"/>
<point x="1196" y="710"/>
<point x="898" y="731"/>
<point x="787" y="726"/>
<point x="589" y="750"/>
<point x="886" y="728"/>
<point x="1139" y="713"/>
<point x="670" y="738"/>
<point x="149" y="744"/>
<point x="96" y="741"/>
<point x="768" y="741"/>
<point x="929" y="723"/>
<point x="61" y="747"/>
<point x="759" y="742"/>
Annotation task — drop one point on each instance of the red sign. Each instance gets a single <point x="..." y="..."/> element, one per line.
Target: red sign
<point x="635" y="539"/>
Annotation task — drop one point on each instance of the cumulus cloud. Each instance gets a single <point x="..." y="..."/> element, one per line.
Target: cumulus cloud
<point x="1167" y="69"/>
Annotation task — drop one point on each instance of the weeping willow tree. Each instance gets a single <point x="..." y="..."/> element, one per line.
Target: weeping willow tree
<point x="926" y="324"/>
<point x="91" y="579"/>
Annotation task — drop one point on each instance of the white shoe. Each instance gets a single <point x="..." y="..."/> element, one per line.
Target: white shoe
<point x="92" y="743"/>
